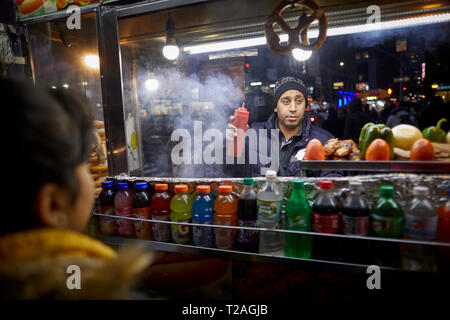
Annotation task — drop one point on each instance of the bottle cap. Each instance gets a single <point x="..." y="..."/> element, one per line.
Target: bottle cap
<point x="326" y="184"/>
<point x="271" y="174"/>
<point x="249" y="181"/>
<point x="122" y="185"/>
<point x="298" y="184"/>
<point x="181" y="188"/>
<point x="420" y="191"/>
<point x="387" y="190"/>
<point x="225" y="189"/>
<point x="141" y="185"/>
<point x="203" y="189"/>
<point x="161" y="186"/>
<point x="107" y="184"/>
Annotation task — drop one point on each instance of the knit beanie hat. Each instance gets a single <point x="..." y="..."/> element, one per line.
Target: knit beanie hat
<point x="289" y="83"/>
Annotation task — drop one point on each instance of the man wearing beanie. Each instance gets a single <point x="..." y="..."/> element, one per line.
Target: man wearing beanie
<point x="290" y="100"/>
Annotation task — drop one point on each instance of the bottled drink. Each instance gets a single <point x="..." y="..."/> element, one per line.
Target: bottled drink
<point x="203" y="212"/>
<point x="225" y="213"/>
<point x="443" y="233"/>
<point x="142" y="209"/>
<point x="421" y="221"/>
<point x="181" y="208"/>
<point x="268" y="201"/>
<point x="161" y="211"/>
<point x="108" y="226"/>
<point x="355" y="212"/>
<point x="240" y="121"/>
<point x="355" y="220"/>
<point x="386" y="215"/>
<point x="247" y="240"/>
<point x="386" y="221"/>
<point x="123" y="204"/>
<point x="298" y="218"/>
<point x="325" y="214"/>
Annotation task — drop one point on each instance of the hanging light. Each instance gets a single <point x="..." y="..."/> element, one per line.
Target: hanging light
<point x="170" y="50"/>
<point x="301" y="55"/>
<point x="152" y="84"/>
<point x="92" y="61"/>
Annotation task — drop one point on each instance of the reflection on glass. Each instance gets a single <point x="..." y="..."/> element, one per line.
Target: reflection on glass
<point x="68" y="59"/>
<point x="221" y="67"/>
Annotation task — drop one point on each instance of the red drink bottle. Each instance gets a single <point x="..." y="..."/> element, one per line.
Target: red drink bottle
<point x="240" y="122"/>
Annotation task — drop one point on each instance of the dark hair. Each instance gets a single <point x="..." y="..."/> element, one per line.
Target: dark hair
<point x="51" y="135"/>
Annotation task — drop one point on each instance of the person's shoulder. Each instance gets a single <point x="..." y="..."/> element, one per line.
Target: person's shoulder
<point x="258" y="125"/>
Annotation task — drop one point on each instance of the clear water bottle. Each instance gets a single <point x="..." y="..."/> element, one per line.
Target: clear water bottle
<point x="421" y="220"/>
<point x="268" y="200"/>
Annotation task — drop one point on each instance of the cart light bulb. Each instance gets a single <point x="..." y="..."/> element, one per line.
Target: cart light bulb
<point x="92" y="61"/>
<point x="301" y="55"/>
<point x="152" y="84"/>
<point x="171" y="52"/>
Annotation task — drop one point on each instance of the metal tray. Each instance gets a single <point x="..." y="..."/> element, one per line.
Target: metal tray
<point x="393" y="166"/>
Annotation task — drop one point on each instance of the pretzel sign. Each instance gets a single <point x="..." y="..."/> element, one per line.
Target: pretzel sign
<point x="273" y="40"/>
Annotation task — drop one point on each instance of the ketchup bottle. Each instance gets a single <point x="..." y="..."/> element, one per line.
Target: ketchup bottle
<point x="240" y="122"/>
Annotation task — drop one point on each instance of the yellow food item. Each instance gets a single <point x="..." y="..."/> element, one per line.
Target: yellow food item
<point x="405" y="135"/>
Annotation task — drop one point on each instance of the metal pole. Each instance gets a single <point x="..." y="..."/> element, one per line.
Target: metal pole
<point x="111" y="84"/>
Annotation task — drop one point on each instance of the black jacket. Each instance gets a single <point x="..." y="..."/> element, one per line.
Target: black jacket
<point x="288" y="165"/>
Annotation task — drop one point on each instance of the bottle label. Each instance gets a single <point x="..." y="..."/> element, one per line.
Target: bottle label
<point x="181" y="233"/>
<point x="203" y="236"/>
<point x="126" y="227"/>
<point x="358" y="226"/>
<point x="420" y="228"/>
<point x="386" y="226"/>
<point x="224" y="237"/>
<point x="142" y="230"/>
<point x="124" y="212"/>
<point x="108" y="226"/>
<point x="247" y="237"/>
<point x="269" y="210"/>
<point x="325" y="223"/>
<point x="299" y="223"/>
<point x="161" y="231"/>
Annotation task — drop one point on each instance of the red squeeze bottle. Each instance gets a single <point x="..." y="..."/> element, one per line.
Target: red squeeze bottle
<point x="240" y="122"/>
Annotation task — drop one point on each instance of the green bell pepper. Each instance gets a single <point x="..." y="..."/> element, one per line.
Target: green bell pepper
<point x="371" y="132"/>
<point x="435" y="134"/>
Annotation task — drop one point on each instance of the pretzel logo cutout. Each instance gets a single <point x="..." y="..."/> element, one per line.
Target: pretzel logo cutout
<point x="273" y="40"/>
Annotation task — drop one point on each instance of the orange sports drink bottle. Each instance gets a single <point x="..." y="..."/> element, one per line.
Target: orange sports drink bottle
<point x="225" y="213"/>
<point x="234" y="148"/>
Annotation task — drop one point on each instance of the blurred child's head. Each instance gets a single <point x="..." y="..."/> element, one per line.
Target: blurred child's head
<point x="47" y="182"/>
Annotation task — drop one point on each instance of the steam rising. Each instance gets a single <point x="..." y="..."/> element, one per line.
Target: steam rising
<point x="178" y="101"/>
